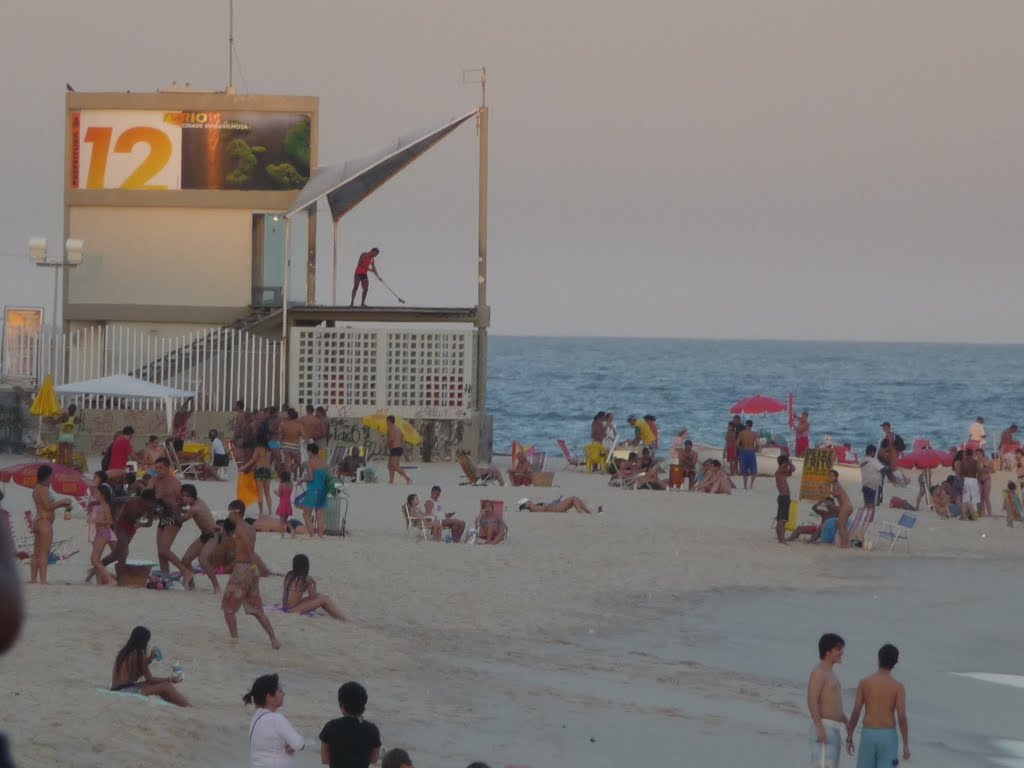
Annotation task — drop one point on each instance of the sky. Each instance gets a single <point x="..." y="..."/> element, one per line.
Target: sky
<point x="792" y="169"/>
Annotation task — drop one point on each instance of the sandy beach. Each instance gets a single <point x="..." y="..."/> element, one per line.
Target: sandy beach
<point x="670" y="630"/>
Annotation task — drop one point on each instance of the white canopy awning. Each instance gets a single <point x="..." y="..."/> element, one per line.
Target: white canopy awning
<point x="122" y="385"/>
<point x="348" y="184"/>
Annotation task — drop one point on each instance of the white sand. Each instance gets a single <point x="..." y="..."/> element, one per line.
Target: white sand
<point x="468" y="652"/>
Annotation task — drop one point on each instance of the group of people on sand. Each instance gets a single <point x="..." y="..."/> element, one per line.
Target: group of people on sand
<point x="880" y="697"/>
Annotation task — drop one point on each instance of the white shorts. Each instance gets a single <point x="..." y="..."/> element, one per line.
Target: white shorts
<point x="972" y="491"/>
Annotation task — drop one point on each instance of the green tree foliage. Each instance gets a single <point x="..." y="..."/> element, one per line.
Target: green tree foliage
<point x="284" y="176"/>
<point x="246" y="162"/>
<point x="296" y="146"/>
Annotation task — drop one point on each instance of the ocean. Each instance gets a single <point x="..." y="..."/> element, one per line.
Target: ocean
<point x="541" y="389"/>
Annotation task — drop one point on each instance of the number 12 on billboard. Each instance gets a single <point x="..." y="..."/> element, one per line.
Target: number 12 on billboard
<point x="119" y="149"/>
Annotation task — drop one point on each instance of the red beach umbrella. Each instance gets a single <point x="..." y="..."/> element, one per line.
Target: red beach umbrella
<point x="64" y="481"/>
<point x="758" y="405"/>
<point x="925" y="458"/>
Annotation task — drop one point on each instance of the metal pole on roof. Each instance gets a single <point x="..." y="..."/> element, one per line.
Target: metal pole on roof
<point x="283" y="362"/>
<point x="482" y="310"/>
<point x="334" y="272"/>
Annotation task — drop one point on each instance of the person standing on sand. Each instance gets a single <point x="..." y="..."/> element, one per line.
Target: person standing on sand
<point x="396" y="447"/>
<point x="845" y="510"/>
<point x="825" y="703"/>
<point x="884" y="701"/>
<point x="42" y="526"/>
<point x="803" y="433"/>
<point x="243" y="588"/>
<point x="970" y="470"/>
<point x="746" y="452"/>
<point x="870" y="480"/>
<point x="364" y="267"/>
<point x="782" y="475"/>
<point x="732" y="429"/>
<point x="977" y="433"/>
<point x="199" y="512"/>
<point x="350" y="741"/>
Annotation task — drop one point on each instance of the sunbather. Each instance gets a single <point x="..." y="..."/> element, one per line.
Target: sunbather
<point x="521" y="472"/>
<point x="300" y="595"/>
<point x="558" y="505"/>
<point x="491" y="528"/>
<point x="131" y="671"/>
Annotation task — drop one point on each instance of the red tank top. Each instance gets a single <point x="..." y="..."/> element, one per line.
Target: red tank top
<point x="365" y="262"/>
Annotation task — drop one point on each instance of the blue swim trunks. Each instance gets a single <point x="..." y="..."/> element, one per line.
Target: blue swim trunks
<point x="748" y="462"/>
<point x="879" y="748"/>
<point x="827" y="755"/>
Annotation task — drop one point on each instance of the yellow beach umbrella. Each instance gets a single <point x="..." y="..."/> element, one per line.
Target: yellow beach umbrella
<point x="46" y="403"/>
<point x="379" y="422"/>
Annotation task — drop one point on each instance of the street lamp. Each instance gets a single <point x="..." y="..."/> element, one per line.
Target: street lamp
<point x="73" y="252"/>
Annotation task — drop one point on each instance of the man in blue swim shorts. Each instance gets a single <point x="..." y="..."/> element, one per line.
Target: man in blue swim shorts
<point x="884" y="700"/>
<point x="746" y="452"/>
<point x="825" y="702"/>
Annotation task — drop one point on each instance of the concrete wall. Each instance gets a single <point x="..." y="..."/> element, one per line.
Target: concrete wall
<point x="162" y="256"/>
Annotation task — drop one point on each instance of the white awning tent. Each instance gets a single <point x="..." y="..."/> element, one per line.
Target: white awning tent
<point x="124" y="386"/>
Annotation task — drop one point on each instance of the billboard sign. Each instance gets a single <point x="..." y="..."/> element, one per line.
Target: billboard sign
<point x="150" y="149"/>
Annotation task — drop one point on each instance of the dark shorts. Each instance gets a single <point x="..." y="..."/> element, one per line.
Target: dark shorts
<point x="783" y="511"/>
<point x="869" y="495"/>
<point x="220" y="459"/>
<point x="364" y="279"/>
<point x="264" y="473"/>
<point x="205" y="537"/>
<point x="396" y="452"/>
<point x="748" y="462"/>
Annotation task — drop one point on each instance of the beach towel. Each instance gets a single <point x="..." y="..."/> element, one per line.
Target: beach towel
<point x="137" y="696"/>
<point x="315" y="614"/>
<point x="246" y="489"/>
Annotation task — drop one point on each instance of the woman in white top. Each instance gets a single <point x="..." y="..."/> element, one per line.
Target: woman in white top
<point x="272" y="740"/>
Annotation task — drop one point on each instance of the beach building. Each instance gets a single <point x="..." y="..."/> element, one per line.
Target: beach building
<point x="190" y="258"/>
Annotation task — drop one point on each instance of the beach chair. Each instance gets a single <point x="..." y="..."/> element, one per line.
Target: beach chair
<point x="538" y="460"/>
<point x="620" y="479"/>
<point x="190" y="469"/>
<point x="421" y="523"/>
<point x="572" y="461"/>
<point x="60" y="551"/>
<point x="898" y="530"/>
<point x="469" y="470"/>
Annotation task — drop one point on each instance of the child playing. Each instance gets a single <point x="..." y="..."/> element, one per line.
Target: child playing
<point x="260" y="464"/>
<point x="220" y="454"/>
<point x="284" y="504"/>
<point x="297" y="583"/>
<point x="103" y="521"/>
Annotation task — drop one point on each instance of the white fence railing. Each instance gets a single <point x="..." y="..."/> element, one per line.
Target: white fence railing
<point x="416" y="372"/>
<point x="222" y="365"/>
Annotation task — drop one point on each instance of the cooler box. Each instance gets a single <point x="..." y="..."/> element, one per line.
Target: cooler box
<point x="543" y="479"/>
<point x="135" y="573"/>
<point x="676" y="476"/>
<point x="335" y="514"/>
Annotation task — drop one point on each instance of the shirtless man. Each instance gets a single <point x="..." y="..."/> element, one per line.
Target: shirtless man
<point x="782" y="474"/>
<point x="746" y="452"/>
<point x="732" y="429"/>
<point x="292" y="436"/>
<point x="884" y="700"/>
<point x="168" y="491"/>
<point x="845" y="510"/>
<point x="197" y="510"/>
<point x="825" y="703"/>
<point x="396" y="447"/>
<point x="970" y="469"/>
<point x="688" y="459"/>
<point x="130" y="514"/>
<point x="243" y="589"/>
<point x="325" y="428"/>
<point x="310" y="425"/>
<point x="42" y="527"/>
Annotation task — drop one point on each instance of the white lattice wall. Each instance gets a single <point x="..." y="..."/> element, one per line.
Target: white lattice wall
<point x="416" y="372"/>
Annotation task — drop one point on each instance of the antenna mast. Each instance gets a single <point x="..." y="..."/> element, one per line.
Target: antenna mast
<point x="231" y="46"/>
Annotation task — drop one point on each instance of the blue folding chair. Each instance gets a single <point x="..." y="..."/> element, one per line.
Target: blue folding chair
<point x="898" y="530"/>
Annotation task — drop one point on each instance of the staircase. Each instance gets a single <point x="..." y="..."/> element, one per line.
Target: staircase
<point x="218" y="340"/>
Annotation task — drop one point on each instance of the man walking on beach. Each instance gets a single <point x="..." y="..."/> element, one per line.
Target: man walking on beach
<point x="396" y="447"/>
<point x="364" y="267"/>
<point x="845" y="510"/>
<point x="870" y="479"/>
<point x="825" y="703"/>
<point x="746" y="451"/>
<point x="884" y="701"/>
<point x="243" y="588"/>
<point x="782" y="474"/>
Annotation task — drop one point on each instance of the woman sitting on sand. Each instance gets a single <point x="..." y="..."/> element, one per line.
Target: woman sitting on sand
<point x="297" y="584"/>
<point x="715" y="480"/>
<point x="558" y="505"/>
<point x="490" y="525"/>
<point x="132" y="663"/>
